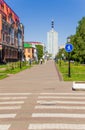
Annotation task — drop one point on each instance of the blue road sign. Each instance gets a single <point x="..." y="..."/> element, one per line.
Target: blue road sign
<point x="69" y="47"/>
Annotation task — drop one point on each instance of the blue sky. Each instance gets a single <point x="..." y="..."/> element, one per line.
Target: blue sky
<point x="36" y="15"/>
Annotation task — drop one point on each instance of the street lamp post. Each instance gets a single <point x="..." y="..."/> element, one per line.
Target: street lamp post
<point x="62" y="55"/>
<point x="69" y="72"/>
<point x="20" y="43"/>
<point x="68" y="48"/>
<point x="20" y="55"/>
<point x="60" y="61"/>
<point x="61" y="58"/>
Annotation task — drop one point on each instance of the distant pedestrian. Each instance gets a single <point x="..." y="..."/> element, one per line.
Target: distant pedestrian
<point x="30" y="62"/>
<point x="41" y="61"/>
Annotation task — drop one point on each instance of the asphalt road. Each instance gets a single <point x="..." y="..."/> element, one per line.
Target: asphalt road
<point x="38" y="99"/>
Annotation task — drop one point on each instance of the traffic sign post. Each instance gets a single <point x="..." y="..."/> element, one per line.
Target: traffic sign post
<point x="69" y="48"/>
<point x="69" y="70"/>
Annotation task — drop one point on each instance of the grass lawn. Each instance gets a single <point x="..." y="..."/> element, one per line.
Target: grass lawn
<point x="12" y="68"/>
<point x="77" y="71"/>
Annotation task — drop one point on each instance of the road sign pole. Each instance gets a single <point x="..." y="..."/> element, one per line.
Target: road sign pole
<point x="69" y="48"/>
<point x="69" y="72"/>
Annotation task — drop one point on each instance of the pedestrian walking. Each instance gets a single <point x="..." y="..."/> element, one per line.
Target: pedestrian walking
<point x="30" y="62"/>
<point x="41" y="61"/>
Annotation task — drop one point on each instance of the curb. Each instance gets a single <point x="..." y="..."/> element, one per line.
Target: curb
<point x="59" y="75"/>
<point x="78" y="85"/>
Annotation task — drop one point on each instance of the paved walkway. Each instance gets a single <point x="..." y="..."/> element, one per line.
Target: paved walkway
<point x="37" y="99"/>
<point x="43" y="77"/>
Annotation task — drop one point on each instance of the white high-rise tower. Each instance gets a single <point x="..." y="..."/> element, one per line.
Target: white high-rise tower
<point x="52" y="41"/>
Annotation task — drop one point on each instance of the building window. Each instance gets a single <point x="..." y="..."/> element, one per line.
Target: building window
<point x="4" y="18"/>
<point x="2" y="6"/>
<point x="12" y="36"/>
<point x="3" y="26"/>
<point x="7" y="39"/>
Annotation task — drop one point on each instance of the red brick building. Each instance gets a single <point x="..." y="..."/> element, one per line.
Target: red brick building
<point x="11" y="34"/>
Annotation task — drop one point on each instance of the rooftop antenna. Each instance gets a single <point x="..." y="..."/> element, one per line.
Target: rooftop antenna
<point x="52" y="24"/>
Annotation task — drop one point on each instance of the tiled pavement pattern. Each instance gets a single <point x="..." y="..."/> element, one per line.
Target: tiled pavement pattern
<point x="59" y="111"/>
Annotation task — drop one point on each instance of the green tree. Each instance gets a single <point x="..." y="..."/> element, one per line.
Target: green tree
<point x="39" y="51"/>
<point x="78" y="41"/>
<point x="59" y="55"/>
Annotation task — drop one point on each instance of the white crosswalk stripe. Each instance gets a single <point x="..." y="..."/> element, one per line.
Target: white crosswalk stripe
<point x="60" y="107"/>
<point x="7" y="115"/>
<point x="12" y="98"/>
<point x="4" y="127"/>
<point x="67" y="94"/>
<point x="56" y="126"/>
<point x="58" y="115"/>
<point x="12" y="102"/>
<point x="10" y="107"/>
<point x="60" y="97"/>
<point x="60" y="102"/>
<point x="15" y="94"/>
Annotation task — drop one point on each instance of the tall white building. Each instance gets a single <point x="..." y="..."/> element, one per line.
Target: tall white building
<point x="52" y="41"/>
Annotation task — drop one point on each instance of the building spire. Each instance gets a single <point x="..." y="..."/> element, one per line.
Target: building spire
<point x="52" y="24"/>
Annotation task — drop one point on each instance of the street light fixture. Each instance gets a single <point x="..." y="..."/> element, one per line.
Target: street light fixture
<point x="68" y="48"/>
<point x="68" y="39"/>
<point x="20" y="58"/>
<point x="20" y="55"/>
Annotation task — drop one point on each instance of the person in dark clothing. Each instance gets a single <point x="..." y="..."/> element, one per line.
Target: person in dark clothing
<point x="30" y="62"/>
<point x="41" y="61"/>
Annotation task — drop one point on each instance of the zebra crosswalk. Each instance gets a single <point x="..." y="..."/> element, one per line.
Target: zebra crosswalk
<point x="50" y="111"/>
<point x="59" y="111"/>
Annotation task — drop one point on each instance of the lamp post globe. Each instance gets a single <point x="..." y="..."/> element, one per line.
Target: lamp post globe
<point x="68" y="39"/>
